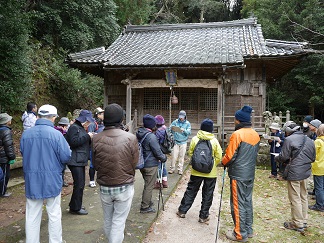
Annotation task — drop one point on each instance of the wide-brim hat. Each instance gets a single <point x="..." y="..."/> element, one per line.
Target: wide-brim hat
<point x="4" y="118"/>
<point x="64" y="121"/>
<point x="84" y="116"/>
<point x="274" y="126"/>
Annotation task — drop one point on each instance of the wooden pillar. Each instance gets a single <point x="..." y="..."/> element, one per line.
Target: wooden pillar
<point x="128" y="102"/>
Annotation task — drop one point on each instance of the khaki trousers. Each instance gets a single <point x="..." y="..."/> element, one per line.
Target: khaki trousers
<point x="178" y="152"/>
<point x="297" y="194"/>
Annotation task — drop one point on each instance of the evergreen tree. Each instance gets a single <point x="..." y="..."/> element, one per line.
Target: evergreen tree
<point x="15" y="68"/>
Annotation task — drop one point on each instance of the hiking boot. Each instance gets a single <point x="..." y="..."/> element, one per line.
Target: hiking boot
<point x="181" y="215"/>
<point x="147" y="210"/>
<point x="171" y="171"/>
<point x="180" y="172"/>
<point x="250" y="235"/>
<point x="316" y="208"/>
<point x="273" y="176"/>
<point x="92" y="184"/>
<point x="292" y="226"/>
<point x="157" y="185"/>
<point x="230" y="235"/>
<point x="165" y="184"/>
<point x="203" y="220"/>
<point x="280" y="178"/>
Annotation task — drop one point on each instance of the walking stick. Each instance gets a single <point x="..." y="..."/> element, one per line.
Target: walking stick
<point x="220" y="203"/>
<point x="160" y="188"/>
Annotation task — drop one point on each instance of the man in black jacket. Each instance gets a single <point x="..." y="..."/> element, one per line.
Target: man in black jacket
<point x="79" y="141"/>
<point x="7" y="152"/>
<point x="299" y="151"/>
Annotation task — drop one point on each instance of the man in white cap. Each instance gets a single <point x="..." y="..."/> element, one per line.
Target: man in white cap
<point x="45" y="152"/>
<point x="7" y="152"/>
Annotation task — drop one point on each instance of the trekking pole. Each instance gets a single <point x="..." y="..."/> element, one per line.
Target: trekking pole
<point x="220" y="203"/>
<point x="160" y="172"/>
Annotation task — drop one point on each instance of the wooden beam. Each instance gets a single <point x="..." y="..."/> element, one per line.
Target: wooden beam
<point x="160" y="83"/>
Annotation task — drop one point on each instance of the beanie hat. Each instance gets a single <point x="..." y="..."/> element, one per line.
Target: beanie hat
<point x="159" y="120"/>
<point x="308" y="118"/>
<point x="4" y="118"/>
<point x="316" y="123"/>
<point x="182" y="114"/>
<point x="149" y="121"/>
<point x="113" y="115"/>
<point x="84" y="116"/>
<point x="244" y="115"/>
<point x="207" y="125"/>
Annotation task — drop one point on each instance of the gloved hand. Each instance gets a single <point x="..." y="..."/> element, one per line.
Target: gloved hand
<point x="11" y="162"/>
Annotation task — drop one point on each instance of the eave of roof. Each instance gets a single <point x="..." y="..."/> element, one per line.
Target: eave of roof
<point x="189" y="46"/>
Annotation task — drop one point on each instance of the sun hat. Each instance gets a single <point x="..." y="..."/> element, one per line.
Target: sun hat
<point x="84" y="116"/>
<point x="4" y="118"/>
<point x="64" y="121"/>
<point x="275" y="126"/>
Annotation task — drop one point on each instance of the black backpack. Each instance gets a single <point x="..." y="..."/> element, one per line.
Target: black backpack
<point x="168" y="143"/>
<point x="202" y="159"/>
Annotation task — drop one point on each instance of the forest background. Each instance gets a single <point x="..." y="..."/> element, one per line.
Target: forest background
<point x="37" y="35"/>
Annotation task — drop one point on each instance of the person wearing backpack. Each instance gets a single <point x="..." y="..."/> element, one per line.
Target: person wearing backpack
<point x="240" y="158"/>
<point x="161" y="135"/>
<point x="214" y="155"/>
<point x="153" y="156"/>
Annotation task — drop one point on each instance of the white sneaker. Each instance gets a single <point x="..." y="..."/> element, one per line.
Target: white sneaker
<point x="92" y="184"/>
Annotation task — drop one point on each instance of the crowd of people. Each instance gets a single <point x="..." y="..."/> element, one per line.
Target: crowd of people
<point x="296" y="152"/>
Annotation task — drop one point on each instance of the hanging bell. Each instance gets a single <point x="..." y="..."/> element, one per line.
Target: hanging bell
<point x="174" y="100"/>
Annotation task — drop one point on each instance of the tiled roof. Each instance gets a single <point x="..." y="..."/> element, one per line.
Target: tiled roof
<point x="188" y="44"/>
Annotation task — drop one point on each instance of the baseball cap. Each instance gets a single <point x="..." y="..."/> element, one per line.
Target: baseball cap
<point x="47" y="110"/>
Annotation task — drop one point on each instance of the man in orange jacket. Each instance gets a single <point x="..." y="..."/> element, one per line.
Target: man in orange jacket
<point x="240" y="158"/>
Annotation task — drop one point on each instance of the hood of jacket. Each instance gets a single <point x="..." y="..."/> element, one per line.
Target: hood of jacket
<point x="205" y="135"/>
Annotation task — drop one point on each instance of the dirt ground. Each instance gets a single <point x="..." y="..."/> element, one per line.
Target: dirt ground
<point x="12" y="209"/>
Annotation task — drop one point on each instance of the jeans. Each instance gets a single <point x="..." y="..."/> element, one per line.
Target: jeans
<point x="34" y="216"/>
<point x="116" y="209"/>
<point x="319" y="190"/>
<point x="164" y="171"/>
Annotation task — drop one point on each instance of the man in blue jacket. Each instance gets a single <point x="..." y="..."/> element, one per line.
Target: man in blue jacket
<point x="181" y="129"/>
<point x="44" y="152"/>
